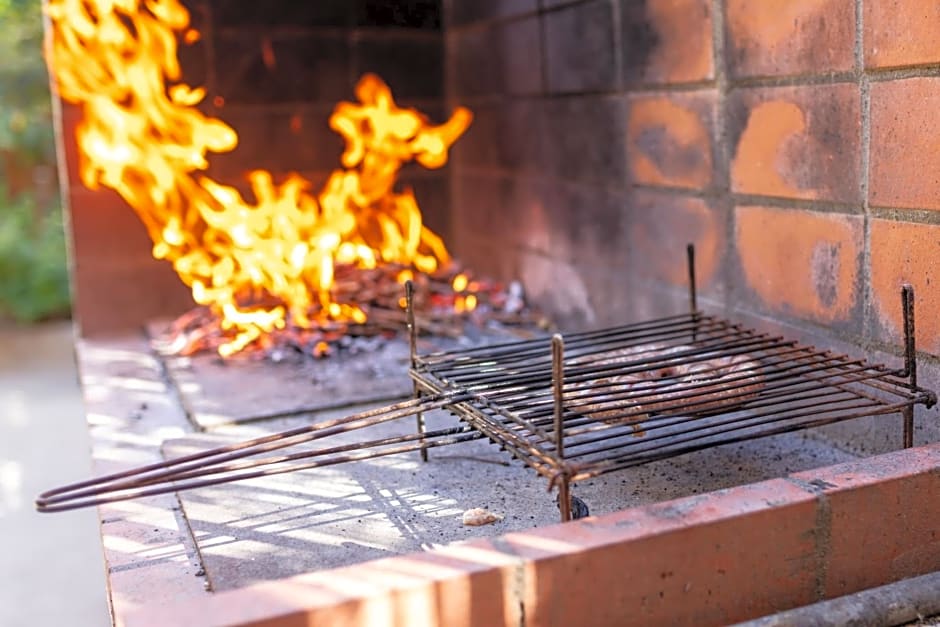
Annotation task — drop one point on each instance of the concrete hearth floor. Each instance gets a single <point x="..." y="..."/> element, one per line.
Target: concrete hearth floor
<point x="52" y="570"/>
<point x="168" y="549"/>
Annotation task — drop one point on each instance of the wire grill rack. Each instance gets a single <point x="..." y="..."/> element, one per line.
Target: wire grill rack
<point x="586" y="404"/>
<point x="575" y="407"/>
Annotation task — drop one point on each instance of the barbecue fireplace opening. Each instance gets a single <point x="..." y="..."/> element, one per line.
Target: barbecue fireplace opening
<point x="606" y="135"/>
<point x="623" y="397"/>
<point x="282" y="264"/>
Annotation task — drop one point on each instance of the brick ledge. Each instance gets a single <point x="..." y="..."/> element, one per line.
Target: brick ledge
<point x="708" y="559"/>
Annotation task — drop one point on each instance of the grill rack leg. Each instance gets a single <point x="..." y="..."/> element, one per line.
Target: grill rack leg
<point x="558" y="389"/>
<point x="413" y="347"/>
<point x="910" y="359"/>
<point x="693" y="297"/>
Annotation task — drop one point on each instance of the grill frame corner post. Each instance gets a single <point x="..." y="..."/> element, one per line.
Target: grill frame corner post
<point x="558" y="385"/>
<point x="693" y="294"/>
<point x="413" y="353"/>
<point x="910" y="359"/>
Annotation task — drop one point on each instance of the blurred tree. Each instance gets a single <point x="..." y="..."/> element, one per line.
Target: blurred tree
<point x="26" y="137"/>
<point x="33" y="275"/>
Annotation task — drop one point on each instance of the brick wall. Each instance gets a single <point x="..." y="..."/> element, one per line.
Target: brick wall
<point x="274" y="71"/>
<point x="795" y="142"/>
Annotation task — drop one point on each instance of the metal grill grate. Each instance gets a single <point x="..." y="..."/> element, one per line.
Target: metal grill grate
<point x="783" y="387"/>
<point x="590" y="403"/>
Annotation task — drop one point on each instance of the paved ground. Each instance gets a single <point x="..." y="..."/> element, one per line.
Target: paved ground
<point x="51" y="565"/>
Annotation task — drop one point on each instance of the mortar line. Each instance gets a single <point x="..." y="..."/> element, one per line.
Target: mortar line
<point x="543" y="54"/>
<point x="865" y="291"/>
<point x="188" y="538"/>
<point x="617" y="25"/>
<point x="794" y="79"/>
<point x="849" y="76"/>
<point x="822" y="532"/>
<point x="518" y="587"/>
<point x="919" y="216"/>
<point x="896" y="73"/>
<point x="722" y="151"/>
<point x="822" y="206"/>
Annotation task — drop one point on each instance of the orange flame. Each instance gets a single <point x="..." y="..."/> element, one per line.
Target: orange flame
<point x="142" y="136"/>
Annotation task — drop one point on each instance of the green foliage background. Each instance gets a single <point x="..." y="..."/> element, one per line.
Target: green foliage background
<point x="33" y="270"/>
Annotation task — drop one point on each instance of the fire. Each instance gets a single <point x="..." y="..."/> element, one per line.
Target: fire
<point x="263" y="263"/>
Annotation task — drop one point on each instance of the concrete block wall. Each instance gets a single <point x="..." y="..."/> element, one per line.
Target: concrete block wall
<point x="796" y="143"/>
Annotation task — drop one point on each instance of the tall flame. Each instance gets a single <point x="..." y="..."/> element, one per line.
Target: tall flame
<point x="142" y="136"/>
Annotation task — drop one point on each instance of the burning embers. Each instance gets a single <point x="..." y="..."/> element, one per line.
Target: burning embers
<point x="290" y="262"/>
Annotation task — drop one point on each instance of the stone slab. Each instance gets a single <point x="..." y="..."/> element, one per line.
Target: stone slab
<point x="149" y="553"/>
<point x="216" y="392"/>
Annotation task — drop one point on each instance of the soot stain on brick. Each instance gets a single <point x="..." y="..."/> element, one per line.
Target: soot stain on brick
<point x="639" y="39"/>
<point x="825" y="129"/>
<point x="735" y="54"/>
<point x="825" y="266"/>
<point x="738" y="111"/>
<point x="820" y="43"/>
<point x="670" y="157"/>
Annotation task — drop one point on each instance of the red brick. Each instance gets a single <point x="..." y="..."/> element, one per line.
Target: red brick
<point x="712" y="559"/>
<point x="901" y="32"/>
<point x="661" y="225"/>
<point x="905" y="143"/>
<point x="885" y="519"/>
<point x="903" y="252"/>
<point x="67" y="145"/>
<point x="669" y="139"/>
<point x="667" y="41"/>
<point x="774" y="37"/>
<point x="800" y="262"/>
<point x="117" y="283"/>
<point x="124" y="296"/>
<point x="105" y="229"/>
<point x="460" y="585"/>
<point x="797" y="142"/>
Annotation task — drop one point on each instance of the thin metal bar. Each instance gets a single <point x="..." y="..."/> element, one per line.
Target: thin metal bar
<point x="687" y="396"/>
<point x="908" y="415"/>
<point x="687" y="414"/>
<point x="614" y="464"/>
<point x="558" y="386"/>
<point x="192" y="484"/>
<point x="693" y="299"/>
<point x="413" y="348"/>
<point x="272" y="441"/>
<point x="910" y="358"/>
<point x="533" y="372"/>
<point x="249" y="448"/>
<point x="698" y="430"/>
<point x="571" y="339"/>
<point x="535" y="350"/>
<point x="281" y="459"/>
